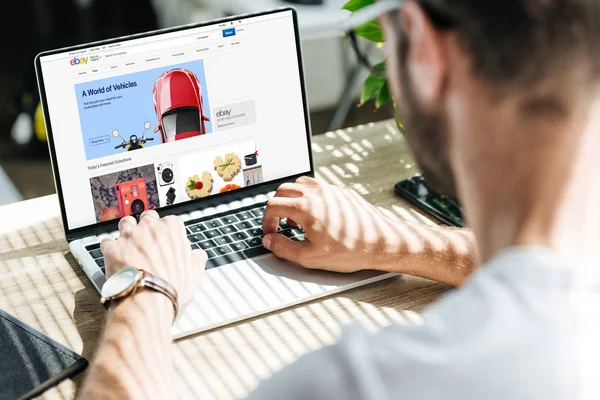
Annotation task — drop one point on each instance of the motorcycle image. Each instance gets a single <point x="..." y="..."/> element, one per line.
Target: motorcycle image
<point x="134" y="143"/>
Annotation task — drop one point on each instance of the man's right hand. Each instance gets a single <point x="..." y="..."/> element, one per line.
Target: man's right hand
<point x="344" y="233"/>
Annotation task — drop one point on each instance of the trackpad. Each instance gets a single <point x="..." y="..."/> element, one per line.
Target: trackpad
<point x="290" y="271"/>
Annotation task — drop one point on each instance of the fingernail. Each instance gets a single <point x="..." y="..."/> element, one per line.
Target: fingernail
<point x="267" y="242"/>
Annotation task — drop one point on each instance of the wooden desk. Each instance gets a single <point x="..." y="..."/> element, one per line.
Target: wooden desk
<point x="42" y="285"/>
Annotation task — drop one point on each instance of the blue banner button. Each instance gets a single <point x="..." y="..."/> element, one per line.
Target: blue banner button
<point x="228" y="32"/>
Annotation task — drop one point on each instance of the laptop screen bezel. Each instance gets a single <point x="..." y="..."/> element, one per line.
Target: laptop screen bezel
<point x="181" y="208"/>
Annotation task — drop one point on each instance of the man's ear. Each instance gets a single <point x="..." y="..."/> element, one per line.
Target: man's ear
<point x="426" y="62"/>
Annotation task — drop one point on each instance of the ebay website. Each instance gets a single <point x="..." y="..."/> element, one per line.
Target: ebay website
<point x="166" y="119"/>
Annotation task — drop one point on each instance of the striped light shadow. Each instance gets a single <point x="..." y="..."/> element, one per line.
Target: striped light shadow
<point x="330" y="177"/>
<point x="317" y="148"/>
<point x="352" y="168"/>
<point x="388" y="214"/>
<point x="367" y="144"/>
<point x="337" y="153"/>
<point x="404" y="214"/>
<point x="420" y="217"/>
<point x="360" y="189"/>
<point x="343" y="135"/>
<point x="348" y="151"/>
<point x="357" y="147"/>
<point x="340" y="171"/>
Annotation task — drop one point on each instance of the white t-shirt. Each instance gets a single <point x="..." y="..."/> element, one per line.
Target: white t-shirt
<point x="523" y="327"/>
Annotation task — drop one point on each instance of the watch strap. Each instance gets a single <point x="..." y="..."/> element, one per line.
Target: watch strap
<point x="153" y="282"/>
<point x="160" y="285"/>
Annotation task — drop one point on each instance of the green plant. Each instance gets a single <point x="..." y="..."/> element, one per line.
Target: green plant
<point x="376" y="84"/>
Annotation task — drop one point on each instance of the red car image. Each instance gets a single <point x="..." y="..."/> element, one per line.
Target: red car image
<point x="178" y="105"/>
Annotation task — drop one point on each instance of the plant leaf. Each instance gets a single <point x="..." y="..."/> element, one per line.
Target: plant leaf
<point x="354" y="5"/>
<point x="371" y="88"/>
<point x="192" y="184"/>
<point x="384" y="96"/>
<point x="370" y="31"/>
<point x="379" y="67"/>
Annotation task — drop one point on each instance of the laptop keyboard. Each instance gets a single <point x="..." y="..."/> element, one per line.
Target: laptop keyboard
<point x="226" y="238"/>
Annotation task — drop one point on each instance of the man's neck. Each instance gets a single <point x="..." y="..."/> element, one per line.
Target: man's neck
<point x="539" y="186"/>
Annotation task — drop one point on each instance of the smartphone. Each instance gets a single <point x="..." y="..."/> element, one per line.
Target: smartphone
<point x="442" y="208"/>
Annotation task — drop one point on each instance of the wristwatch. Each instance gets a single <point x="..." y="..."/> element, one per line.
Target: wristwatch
<point x="129" y="280"/>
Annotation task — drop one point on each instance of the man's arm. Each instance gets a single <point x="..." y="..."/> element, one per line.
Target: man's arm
<point x="134" y="357"/>
<point x="344" y="233"/>
<point x="438" y="253"/>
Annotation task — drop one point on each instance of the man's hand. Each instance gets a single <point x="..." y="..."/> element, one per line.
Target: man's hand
<point x="159" y="246"/>
<point x="344" y="233"/>
<point x="120" y="369"/>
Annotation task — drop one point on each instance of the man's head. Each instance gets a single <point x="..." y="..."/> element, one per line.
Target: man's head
<point x="455" y="64"/>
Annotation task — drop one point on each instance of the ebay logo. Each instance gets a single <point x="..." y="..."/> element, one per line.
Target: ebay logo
<point x="77" y="61"/>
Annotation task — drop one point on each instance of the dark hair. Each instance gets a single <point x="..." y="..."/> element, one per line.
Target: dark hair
<point x="522" y="41"/>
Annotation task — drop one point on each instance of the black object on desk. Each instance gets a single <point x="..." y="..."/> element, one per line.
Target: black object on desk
<point x="30" y="362"/>
<point x="443" y="208"/>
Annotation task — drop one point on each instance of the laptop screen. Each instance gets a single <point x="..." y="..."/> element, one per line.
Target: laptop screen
<point x="176" y="116"/>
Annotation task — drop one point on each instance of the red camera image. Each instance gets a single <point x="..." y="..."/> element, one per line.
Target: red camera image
<point x="132" y="197"/>
<point x="178" y="104"/>
<point x="127" y="192"/>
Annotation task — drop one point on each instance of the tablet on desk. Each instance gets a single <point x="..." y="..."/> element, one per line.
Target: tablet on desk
<point x="30" y="362"/>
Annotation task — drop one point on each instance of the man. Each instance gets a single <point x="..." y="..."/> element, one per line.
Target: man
<point x="500" y="101"/>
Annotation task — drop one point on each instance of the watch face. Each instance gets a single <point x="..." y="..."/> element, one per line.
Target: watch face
<point x="120" y="282"/>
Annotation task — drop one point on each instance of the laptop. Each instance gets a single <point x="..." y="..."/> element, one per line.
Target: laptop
<point x="203" y="121"/>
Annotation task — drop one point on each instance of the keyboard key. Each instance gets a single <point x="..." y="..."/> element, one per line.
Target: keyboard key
<point x="221" y="251"/>
<point x="239" y="236"/>
<point x="230" y="219"/>
<point x="284" y="225"/>
<point x="258" y="212"/>
<point x="197" y="228"/>
<point x="298" y="231"/>
<point x="92" y="246"/>
<point x="195" y="246"/>
<point x="226" y="230"/>
<point x="238" y="246"/>
<point x="256" y="232"/>
<point x="103" y="270"/>
<point x="212" y="234"/>
<point x="255" y="241"/>
<point x="224" y="260"/>
<point x="213" y="224"/>
<point x="287" y="232"/>
<point x="210" y="254"/>
<point x="244" y="215"/>
<point x="100" y="262"/>
<point x="244" y="225"/>
<point x="222" y="240"/>
<point x="257" y="221"/>
<point x="255" y="252"/>
<point x="298" y="238"/>
<point x="208" y="244"/>
<point x="196" y="238"/>
<point x="96" y="253"/>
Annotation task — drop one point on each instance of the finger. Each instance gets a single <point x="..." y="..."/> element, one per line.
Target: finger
<point x="307" y="180"/>
<point x="282" y="207"/>
<point x="289" y="190"/>
<point x="201" y="256"/>
<point x="106" y="245"/>
<point x="150" y="214"/>
<point x="291" y="222"/>
<point x="286" y="248"/>
<point x="126" y="225"/>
